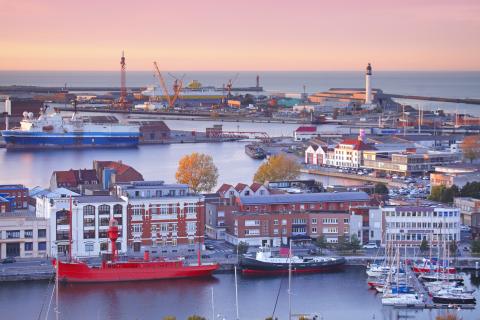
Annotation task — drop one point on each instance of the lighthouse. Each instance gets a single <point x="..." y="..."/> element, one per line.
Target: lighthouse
<point x="368" y="85"/>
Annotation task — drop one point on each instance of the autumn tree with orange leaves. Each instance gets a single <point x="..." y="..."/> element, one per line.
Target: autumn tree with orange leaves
<point x="471" y="147"/>
<point x="279" y="167"/>
<point x="198" y="171"/>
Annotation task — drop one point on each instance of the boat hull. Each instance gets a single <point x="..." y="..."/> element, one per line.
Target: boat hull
<point x="453" y="300"/>
<point x="26" y="140"/>
<point x="251" y="266"/>
<point x="79" y="272"/>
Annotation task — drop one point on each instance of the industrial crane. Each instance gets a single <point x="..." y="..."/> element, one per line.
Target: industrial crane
<point x="229" y="85"/>
<point x="178" y="85"/>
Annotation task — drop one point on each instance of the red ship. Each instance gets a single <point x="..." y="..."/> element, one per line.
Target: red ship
<point x="133" y="270"/>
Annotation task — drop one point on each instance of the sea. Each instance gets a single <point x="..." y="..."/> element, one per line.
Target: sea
<point x="331" y="296"/>
<point x="452" y="84"/>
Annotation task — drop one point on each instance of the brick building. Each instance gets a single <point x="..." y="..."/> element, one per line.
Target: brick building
<point x="164" y="218"/>
<point x="73" y="179"/>
<point x="12" y="197"/>
<point x="273" y="219"/>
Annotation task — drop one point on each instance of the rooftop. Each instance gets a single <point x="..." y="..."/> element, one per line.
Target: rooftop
<point x="305" y="198"/>
<point x="98" y="199"/>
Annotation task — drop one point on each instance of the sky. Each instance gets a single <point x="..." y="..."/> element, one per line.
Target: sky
<point x="259" y="35"/>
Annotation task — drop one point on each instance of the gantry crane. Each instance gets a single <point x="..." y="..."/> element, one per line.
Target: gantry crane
<point x="178" y="85"/>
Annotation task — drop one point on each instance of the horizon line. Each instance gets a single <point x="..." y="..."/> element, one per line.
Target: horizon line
<point x="233" y="70"/>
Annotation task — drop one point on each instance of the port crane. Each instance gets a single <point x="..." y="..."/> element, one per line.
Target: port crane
<point x="229" y="85"/>
<point x="177" y="87"/>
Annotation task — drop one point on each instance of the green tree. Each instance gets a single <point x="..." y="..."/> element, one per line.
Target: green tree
<point x="436" y="193"/>
<point x="354" y="243"/>
<point x="444" y="194"/>
<point x="471" y="189"/>
<point x="424" y="246"/>
<point x="475" y="246"/>
<point x="195" y="317"/>
<point x="278" y="167"/>
<point x="242" y="247"/>
<point x="380" y="188"/>
<point x="453" y="247"/>
<point x="321" y="242"/>
<point x="169" y="318"/>
<point x="198" y="171"/>
<point x="342" y="243"/>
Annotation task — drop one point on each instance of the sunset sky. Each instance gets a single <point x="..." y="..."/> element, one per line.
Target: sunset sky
<point x="240" y="35"/>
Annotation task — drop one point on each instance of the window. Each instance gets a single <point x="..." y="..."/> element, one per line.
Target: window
<point x="42" y="246"/>
<point x="42" y="233"/>
<point x="28" y="233"/>
<point x="252" y="232"/>
<point x="137" y="212"/>
<point x="62" y="217"/>
<point x="89" y="234"/>
<point x="88" y="210"/>
<point x="103" y="246"/>
<point x="137" y="228"/>
<point x="104" y="221"/>
<point x="117" y="209"/>
<point x="346" y="220"/>
<point x="103" y="234"/>
<point x="330" y="221"/>
<point x="13" y="234"/>
<point x="314" y="229"/>
<point x="191" y="227"/>
<point x="28" y="246"/>
<point x="104" y="209"/>
<point x="275" y="222"/>
<point x="314" y="220"/>
<point x="88" y="247"/>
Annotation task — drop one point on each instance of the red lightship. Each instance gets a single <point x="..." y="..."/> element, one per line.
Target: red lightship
<point x="133" y="270"/>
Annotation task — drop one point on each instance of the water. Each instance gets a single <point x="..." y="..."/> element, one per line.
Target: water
<point x="439" y="84"/>
<point x="341" y="295"/>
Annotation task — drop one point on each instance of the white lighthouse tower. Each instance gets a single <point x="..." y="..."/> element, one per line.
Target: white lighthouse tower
<point x="368" y="85"/>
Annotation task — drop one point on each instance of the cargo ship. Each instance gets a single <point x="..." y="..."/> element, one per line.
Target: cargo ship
<point x="255" y="151"/>
<point x="265" y="264"/>
<point x="132" y="270"/>
<point x="53" y="131"/>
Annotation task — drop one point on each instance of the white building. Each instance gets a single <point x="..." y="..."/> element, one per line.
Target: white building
<point x="90" y="220"/>
<point x="349" y="153"/>
<point x="316" y="155"/>
<point x="407" y="225"/>
<point x="305" y="133"/>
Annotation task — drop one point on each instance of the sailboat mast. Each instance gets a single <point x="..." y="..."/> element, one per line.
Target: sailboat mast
<point x="236" y="292"/>
<point x="290" y="281"/>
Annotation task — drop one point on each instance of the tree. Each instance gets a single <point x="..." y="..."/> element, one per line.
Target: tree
<point x="242" y="247"/>
<point x="354" y="243"/>
<point x="453" y="247"/>
<point x="424" y="246"/>
<point x="169" y="318"/>
<point x="278" y="167"/>
<point x="471" y="147"/>
<point x="321" y="242"/>
<point x="380" y="188"/>
<point x="342" y="243"/>
<point x="444" y="194"/>
<point x="195" y="317"/>
<point x="198" y="171"/>
<point x="448" y="316"/>
<point x="476" y="246"/>
<point x="471" y="189"/>
<point x="436" y="193"/>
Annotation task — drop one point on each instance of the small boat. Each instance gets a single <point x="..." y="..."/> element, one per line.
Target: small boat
<point x="407" y="299"/>
<point x="454" y="296"/>
<point x="133" y="270"/>
<point x="255" y="151"/>
<point x="430" y="266"/>
<point x="433" y="277"/>
<point x="264" y="263"/>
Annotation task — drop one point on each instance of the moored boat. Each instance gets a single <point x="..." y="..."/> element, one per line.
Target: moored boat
<point x="254" y="151"/>
<point x="264" y="263"/>
<point x="133" y="270"/>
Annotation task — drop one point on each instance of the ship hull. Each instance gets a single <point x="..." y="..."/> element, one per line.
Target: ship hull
<point x="24" y="140"/>
<point x="131" y="271"/>
<point x="453" y="300"/>
<point x="252" y="266"/>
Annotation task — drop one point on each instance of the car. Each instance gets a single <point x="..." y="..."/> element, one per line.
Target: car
<point x="370" y="246"/>
<point x="9" y="260"/>
<point x="466" y="249"/>
<point x="209" y="247"/>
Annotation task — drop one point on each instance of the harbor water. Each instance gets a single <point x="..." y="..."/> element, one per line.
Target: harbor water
<point x="342" y="295"/>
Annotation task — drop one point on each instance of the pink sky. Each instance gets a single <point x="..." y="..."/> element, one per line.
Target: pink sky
<point x="240" y="35"/>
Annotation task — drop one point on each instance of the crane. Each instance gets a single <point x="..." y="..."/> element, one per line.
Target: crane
<point x="177" y="88"/>
<point x="229" y="85"/>
<point x="162" y="84"/>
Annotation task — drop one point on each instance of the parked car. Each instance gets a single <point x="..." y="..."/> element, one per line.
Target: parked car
<point x="9" y="260"/>
<point x="370" y="246"/>
<point x="209" y="247"/>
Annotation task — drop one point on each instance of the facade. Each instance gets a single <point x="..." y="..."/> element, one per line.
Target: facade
<point x="305" y="133"/>
<point x="73" y="179"/>
<point x="468" y="206"/>
<point x="316" y="155"/>
<point x="410" y="162"/>
<point x="405" y="225"/>
<point x="23" y="235"/>
<point x="90" y="220"/>
<point x="273" y="219"/>
<point x="458" y="175"/>
<point x="164" y="218"/>
<point x="349" y="153"/>
<point x="111" y="172"/>
<point x="372" y="223"/>
<point x="13" y="197"/>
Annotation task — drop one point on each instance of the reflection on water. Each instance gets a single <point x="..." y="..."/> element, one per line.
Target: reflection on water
<point x="342" y="295"/>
